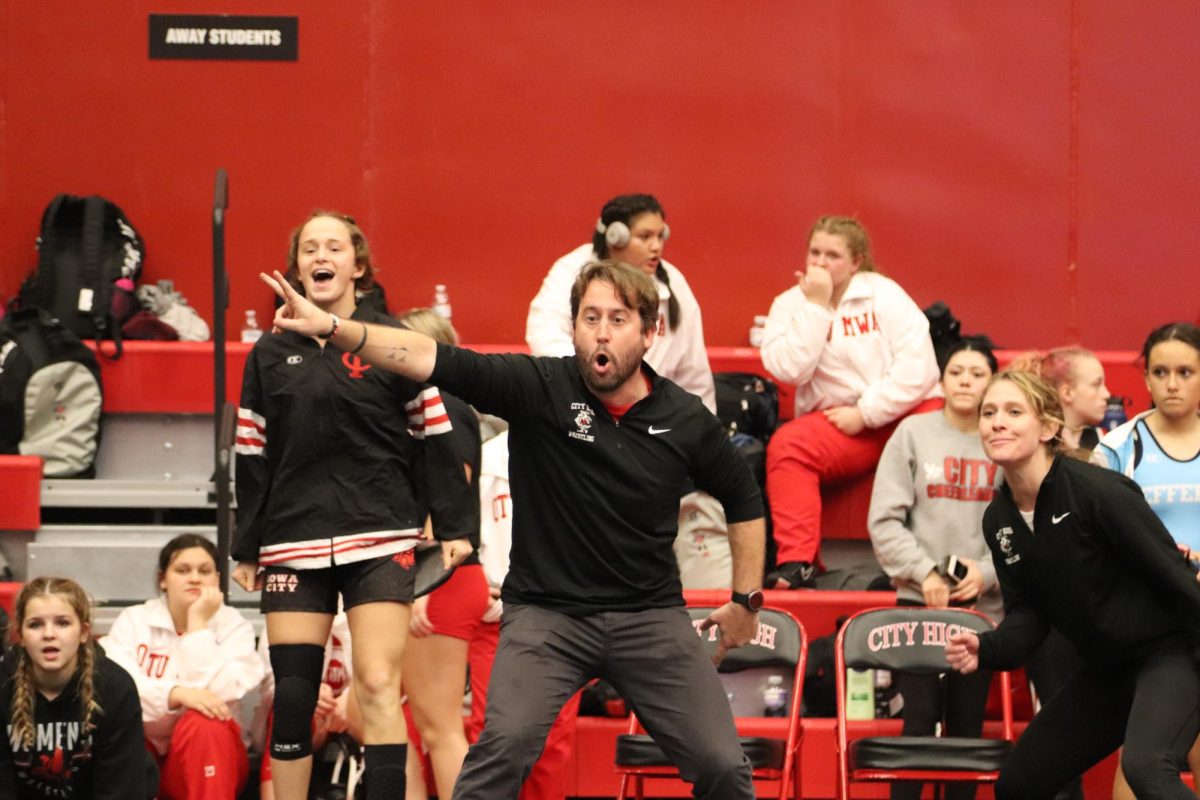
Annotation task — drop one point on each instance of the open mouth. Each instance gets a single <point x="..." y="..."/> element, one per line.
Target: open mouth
<point x="321" y="276"/>
<point x="50" y="652"/>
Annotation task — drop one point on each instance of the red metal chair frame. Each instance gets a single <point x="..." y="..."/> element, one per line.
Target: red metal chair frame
<point x="788" y="774"/>
<point x="845" y="774"/>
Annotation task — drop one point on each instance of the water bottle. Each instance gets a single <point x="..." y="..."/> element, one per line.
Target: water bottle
<point x="775" y="698"/>
<point x="1114" y="413"/>
<point x="250" y="331"/>
<point x="860" y="693"/>
<point x="441" y="301"/>
<point x="758" y="330"/>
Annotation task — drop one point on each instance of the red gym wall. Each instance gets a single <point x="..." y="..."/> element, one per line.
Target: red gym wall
<point x="1032" y="163"/>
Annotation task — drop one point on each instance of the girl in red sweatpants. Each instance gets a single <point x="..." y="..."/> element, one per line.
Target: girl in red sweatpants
<point x="857" y="348"/>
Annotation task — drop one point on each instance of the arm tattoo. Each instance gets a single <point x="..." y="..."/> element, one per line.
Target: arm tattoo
<point x="398" y="354"/>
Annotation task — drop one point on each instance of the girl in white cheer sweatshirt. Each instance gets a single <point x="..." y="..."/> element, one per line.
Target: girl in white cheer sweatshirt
<point x="193" y="660"/>
<point x="857" y="348"/>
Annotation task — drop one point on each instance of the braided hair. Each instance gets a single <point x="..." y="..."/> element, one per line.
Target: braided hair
<point x="24" y="684"/>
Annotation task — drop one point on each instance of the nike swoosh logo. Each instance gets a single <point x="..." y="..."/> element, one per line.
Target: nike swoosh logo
<point x="1055" y="520"/>
<point x="653" y="431"/>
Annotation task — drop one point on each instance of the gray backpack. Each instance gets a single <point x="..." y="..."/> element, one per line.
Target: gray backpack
<point x="50" y="394"/>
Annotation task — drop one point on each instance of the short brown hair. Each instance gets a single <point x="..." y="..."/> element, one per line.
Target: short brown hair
<point x="362" y="253"/>
<point x="635" y="288"/>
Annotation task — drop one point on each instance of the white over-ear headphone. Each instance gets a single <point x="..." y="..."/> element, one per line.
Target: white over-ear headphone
<point x="616" y="233"/>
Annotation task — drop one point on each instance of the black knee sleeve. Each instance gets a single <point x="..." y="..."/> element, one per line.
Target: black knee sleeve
<point x="297" y="669"/>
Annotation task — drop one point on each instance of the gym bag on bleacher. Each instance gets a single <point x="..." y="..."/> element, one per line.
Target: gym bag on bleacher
<point x="89" y="259"/>
<point x="50" y="395"/>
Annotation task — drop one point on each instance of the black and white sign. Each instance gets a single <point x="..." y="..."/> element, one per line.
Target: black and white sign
<point x="224" y="37"/>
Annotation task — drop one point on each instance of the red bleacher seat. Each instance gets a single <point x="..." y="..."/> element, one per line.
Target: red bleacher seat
<point x="20" y="493"/>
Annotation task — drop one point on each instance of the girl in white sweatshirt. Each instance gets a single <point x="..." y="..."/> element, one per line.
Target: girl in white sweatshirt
<point x="193" y="660"/>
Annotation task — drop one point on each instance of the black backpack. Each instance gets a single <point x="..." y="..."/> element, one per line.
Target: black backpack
<point x="945" y="331"/>
<point x="50" y="395"/>
<point x="748" y="407"/>
<point x="747" y="404"/>
<point x="85" y="246"/>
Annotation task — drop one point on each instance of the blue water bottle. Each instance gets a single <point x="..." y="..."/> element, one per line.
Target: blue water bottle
<point x="1114" y="414"/>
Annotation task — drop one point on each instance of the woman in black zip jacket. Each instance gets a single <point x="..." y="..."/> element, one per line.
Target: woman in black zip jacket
<point x="1077" y="546"/>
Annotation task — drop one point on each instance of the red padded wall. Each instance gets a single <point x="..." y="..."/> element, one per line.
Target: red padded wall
<point x="984" y="145"/>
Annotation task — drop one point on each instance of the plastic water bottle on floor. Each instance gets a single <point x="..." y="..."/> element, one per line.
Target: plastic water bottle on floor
<point x="250" y="331"/>
<point x="775" y="698"/>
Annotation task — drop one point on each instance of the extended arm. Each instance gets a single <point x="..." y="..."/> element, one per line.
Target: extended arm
<point x="738" y="625"/>
<point x="406" y="352"/>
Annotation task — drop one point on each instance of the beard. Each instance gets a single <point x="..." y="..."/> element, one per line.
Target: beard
<point x="618" y="369"/>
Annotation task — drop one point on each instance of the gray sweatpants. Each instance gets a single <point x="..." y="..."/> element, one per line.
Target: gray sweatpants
<point x="653" y="658"/>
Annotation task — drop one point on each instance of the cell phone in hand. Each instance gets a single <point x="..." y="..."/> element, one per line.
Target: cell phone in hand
<point x="953" y="569"/>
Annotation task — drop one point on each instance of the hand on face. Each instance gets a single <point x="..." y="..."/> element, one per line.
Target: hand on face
<point x="817" y="285"/>
<point x="204" y="607"/>
<point x="828" y="268"/>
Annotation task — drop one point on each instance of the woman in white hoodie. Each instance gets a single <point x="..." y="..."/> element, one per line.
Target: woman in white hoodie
<point x="632" y="228"/>
<point x="857" y="349"/>
<point x="193" y="660"/>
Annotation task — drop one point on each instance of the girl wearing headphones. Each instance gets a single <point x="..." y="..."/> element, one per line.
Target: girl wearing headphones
<point x="632" y="228"/>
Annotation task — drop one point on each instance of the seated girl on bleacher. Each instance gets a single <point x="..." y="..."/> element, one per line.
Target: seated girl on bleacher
<point x="857" y="348"/>
<point x="1078" y="378"/>
<point x="931" y="488"/>
<point x="193" y="660"/>
<point x="74" y="729"/>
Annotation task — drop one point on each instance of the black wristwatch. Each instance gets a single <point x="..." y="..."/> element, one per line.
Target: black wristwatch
<point x="752" y="601"/>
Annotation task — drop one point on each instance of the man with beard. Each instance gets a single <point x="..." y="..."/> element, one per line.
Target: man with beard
<point x="601" y="448"/>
